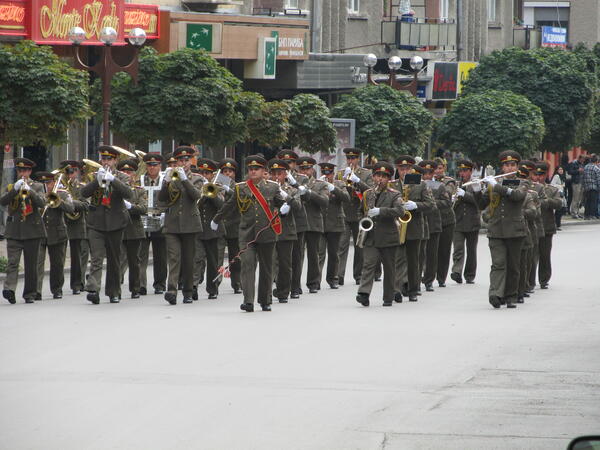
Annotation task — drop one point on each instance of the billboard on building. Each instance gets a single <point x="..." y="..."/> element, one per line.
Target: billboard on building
<point x="445" y="85"/>
<point x="554" y="37"/>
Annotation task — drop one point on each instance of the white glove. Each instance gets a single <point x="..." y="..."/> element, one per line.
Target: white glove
<point x="410" y="205"/>
<point x="285" y="208"/>
<point x="17" y="186"/>
<point x="302" y="190"/>
<point x="127" y="204"/>
<point x="283" y="194"/>
<point x="373" y="212"/>
<point x="168" y="174"/>
<point x="508" y="191"/>
<point x="330" y="187"/>
<point x="26" y="187"/>
<point x="226" y="188"/>
<point x="354" y="178"/>
<point x="476" y="187"/>
<point x="162" y="219"/>
<point x="460" y="192"/>
<point x="100" y="174"/>
<point x="291" y="179"/>
<point x="347" y="171"/>
<point x="109" y="177"/>
<point x="490" y="180"/>
<point x="182" y="175"/>
<point x="213" y="225"/>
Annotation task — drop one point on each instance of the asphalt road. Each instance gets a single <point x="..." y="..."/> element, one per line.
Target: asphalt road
<point x="317" y="373"/>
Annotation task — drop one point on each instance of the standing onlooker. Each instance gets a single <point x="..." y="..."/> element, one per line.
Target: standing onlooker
<point x="559" y="180"/>
<point x="591" y="186"/>
<point x="576" y="172"/>
<point x="564" y="163"/>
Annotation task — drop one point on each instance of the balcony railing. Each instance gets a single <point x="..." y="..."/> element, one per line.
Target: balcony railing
<point x="527" y="37"/>
<point x="414" y="33"/>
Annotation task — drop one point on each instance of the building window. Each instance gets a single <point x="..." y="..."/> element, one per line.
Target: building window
<point x="491" y="10"/>
<point x="444" y="9"/>
<point x="353" y="6"/>
<point x="291" y="4"/>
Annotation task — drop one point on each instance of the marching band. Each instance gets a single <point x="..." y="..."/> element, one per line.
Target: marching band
<point x="410" y="219"/>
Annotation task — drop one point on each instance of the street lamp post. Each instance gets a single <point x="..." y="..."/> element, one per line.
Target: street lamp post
<point x="394" y="64"/>
<point x="107" y="67"/>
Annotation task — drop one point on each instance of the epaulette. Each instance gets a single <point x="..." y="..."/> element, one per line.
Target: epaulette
<point x="274" y="182"/>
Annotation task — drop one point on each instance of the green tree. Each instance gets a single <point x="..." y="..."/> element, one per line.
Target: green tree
<point x="185" y="95"/>
<point x="310" y="126"/>
<point x="40" y="95"/>
<point x="482" y="125"/>
<point x="264" y="122"/>
<point x="388" y="122"/>
<point x="558" y="81"/>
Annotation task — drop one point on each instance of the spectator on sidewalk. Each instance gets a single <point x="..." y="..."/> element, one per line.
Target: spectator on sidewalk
<point x="559" y="180"/>
<point x="576" y="172"/>
<point x="564" y="163"/>
<point x="591" y="186"/>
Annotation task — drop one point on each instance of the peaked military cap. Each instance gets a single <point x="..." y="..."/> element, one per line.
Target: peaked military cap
<point x="108" y="150"/>
<point x="184" y="150"/>
<point x="542" y="167"/>
<point x="327" y="168"/>
<point x="464" y="164"/>
<point x="128" y="164"/>
<point x="383" y="168"/>
<point x="287" y="154"/>
<point x="352" y="152"/>
<point x="169" y="158"/>
<point x="509" y="156"/>
<point x="153" y="159"/>
<point x="428" y="164"/>
<point x="280" y="164"/>
<point x="70" y="164"/>
<point x="24" y="163"/>
<point x="306" y="162"/>
<point x="404" y="160"/>
<point x="256" y="161"/>
<point x="206" y="164"/>
<point x="44" y="177"/>
<point x="228" y="163"/>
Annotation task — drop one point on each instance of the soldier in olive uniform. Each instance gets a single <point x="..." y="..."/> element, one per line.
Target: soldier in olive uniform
<point x="550" y="204"/>
<point x="442" y="200"/>
<point x="285" y="241"/>
<point x="383" y="205"/>
<point x="419" y="201"/>
<point x="256" y="202"/>
<point x="358" y="180"/>
<point x="315" y="196"/>
<point x="56" y="235"/>
<point x="468" y="223"/>
<point x="171" y="161"/>
<point x="296" y="180"/>
<point x="208" y="240"/>
<point x="231" y="228"/>
<point x="134" y="232"/>
<point x="152" y="181"/>
<point x="107" y="220"/>
<point x="539" y="224"/>
<point x="76" y="225"/>
<point x="24" y="230"/>
<point x="506" y="230"/>
<point x="335" y="222"/>
<point x="180" y="191"/>
<point x="448" y="222"/>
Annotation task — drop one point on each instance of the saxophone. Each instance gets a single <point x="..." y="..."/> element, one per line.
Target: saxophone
<point x="366" y="224"/>
<point x="402" y="222"/>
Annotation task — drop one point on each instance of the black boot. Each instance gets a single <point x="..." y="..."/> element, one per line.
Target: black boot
<point x="93" y="297"/>
<point x="10" y="296"/>
<point x="363" y="299"/>
<point x="456" y="277"/>
<point x="248" y="307"/>
<point x="171" y="298"/>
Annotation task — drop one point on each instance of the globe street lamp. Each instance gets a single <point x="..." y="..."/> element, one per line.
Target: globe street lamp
<point x="394" y="64"/>
<point x="106" y="68"/>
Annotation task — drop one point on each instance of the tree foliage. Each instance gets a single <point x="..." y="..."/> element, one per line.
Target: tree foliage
<point x="388" y="122"/>
<point x="558" y="81"/>
<point x="310" y="126"/>
<point x="264" y="122"/>
<point x="40" y="95"/>
<point x="184" y="95"/>
<point x="482" y="125"/>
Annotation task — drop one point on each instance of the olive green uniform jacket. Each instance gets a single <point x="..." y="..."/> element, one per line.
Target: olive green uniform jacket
<point x="315" y="201"/>
<point x="139" y="207"/>
<point x="33" y="226"/>
<point x="551" y="203"/>
<point x="334" y="216"/>
<point x="385" y="230"/>
<point x="366" y="182"/>
<point x="54" y="219"/>
<point x="505" y="217"/>
<point x="182" y="215"/>
<point x="466" y="211"/>
<point x="422" y="196"/>
<point x="114" y="216"/>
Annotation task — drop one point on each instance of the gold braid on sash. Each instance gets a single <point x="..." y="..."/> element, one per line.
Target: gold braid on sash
<point x="174" y="194"/>
<point x="97" y="197"/>
<point x="494" y="200"/>
<point x="243" y="204"/>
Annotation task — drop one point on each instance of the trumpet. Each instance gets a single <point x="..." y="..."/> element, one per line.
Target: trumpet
<point x="212" y="188"/>
<point x="53" y="200"/>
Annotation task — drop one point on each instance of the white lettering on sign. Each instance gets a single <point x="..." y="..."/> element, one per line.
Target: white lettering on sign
<point x="288" y="42"/>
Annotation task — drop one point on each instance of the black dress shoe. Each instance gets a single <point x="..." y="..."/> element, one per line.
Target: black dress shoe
<point x="93" y="297"/>
<point x="441" y="284"/>
<point x="333" y="285"/>
<point x="456" y="277"/>
<point x="526" y="295"/>
<point x="76" y="292"/>
<point x="413" y="298"/>
<point x="404" y="290"/>
<point x="265" y="307"/>
<point x="544" y="286"/>
<point x="294" y="295"/>
<point x="341" y="281"/>
<point x="429" y="287"/>
<point x="282" y="300"/>
<point x="212" y="296"/>
<point x="312" y="290"/>
<point x="248" y="307"/>
<point x="387" y="303"/>
<point x="195" y="293"/>
<point x="144" y="291"/>
<point x="57" y="295"/>
<point x="115" y="299"/>
<point x="29" y="300"/>
<point x="237" y="290"/>
<point x="135" y="295"/>
<point x="357" y="282"/>
<point x="520" y="299"/>
<point x="363" y="299"/>
<point x="9" y="295"/>
<point x="157" y="291"/>
<point x="511" y="305"/>
<point x="398" y="297"/>
<point x="470" y="282"/>
<point x="171" y="298"/>
<point x="38" y="297"/>
<point x="188" y="300"/>
<point x="495" y="301"/>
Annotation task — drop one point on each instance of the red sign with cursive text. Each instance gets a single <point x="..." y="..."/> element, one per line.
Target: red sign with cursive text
<point x="12" y="18"/>
<point x="445" y="76"/>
